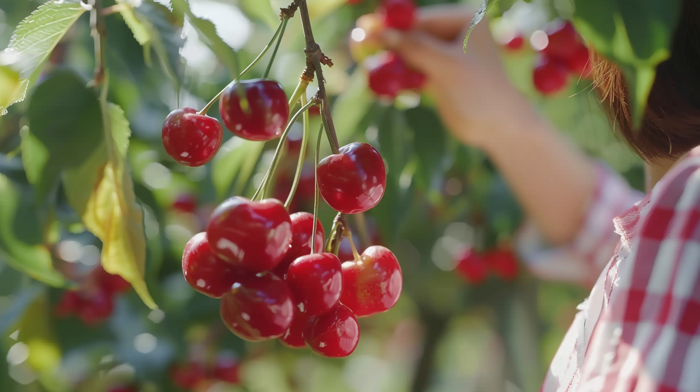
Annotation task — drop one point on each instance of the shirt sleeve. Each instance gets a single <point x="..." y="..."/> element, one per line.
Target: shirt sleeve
<point x="648" y="338"/>
<point x="582" y="260"/>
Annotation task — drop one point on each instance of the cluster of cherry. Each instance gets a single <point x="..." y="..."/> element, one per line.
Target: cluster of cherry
<point x="193" y="374"/>
<point x="388" y="73"/>
<point x="475" y="268"/>
<point x="564" y="55"/>
<point x="94" y="301"/>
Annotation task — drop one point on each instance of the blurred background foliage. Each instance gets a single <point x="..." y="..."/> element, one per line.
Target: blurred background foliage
<point x="441" y="198"/>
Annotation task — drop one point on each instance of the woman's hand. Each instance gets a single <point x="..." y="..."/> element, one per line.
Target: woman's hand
<point x="473" y="94"/>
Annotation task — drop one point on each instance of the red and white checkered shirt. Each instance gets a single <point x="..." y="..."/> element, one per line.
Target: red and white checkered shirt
<point x="639" y="330"/>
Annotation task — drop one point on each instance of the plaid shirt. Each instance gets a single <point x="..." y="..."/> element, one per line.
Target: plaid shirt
<point x="639" y="330"/>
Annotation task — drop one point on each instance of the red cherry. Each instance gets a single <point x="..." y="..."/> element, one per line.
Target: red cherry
<point x="258" y="307"/>
<point x="185" y="202"/>
<point x="472" y="267"/>
<point x="579" y="63"/>
<point x="307" y="183"/>
<point x="516" y="43"/>
<point x="187" y="375"/>
<point x="316" y="109"/>
<point x="70" y="303"/>
<point x="503" y="262"/>
<point x="112" y="283"/>
<point x="255" y="109"/>
<point x="315" y="281"/>
<point x="227" y="370"/>
<point x="386" y="78"/>
<point x="123" y="389"/>
<point x="398" y="14"/>
<point x="294" y="336"/>
<point x="96" y="308"/>
<point x="335" y="334"/>
<point x="563" y="41"/>
<point x="191" y="139"/>
<point x="253" y="235"/>
<point x="550" y="76"/>
<point x="372" y="284"/>
<point x="413" y="80"/>
<point x="353" y="180"/>
<point x="205" y="272"/>
<point x="302" y="228"/>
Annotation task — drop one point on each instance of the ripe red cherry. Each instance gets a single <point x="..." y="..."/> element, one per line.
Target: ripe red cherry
<point x="550" y="75"/>
<point x="335" y="334"/>
<point x="123" y="388"/>
<point x="386" y="76"/>
<point x="413" y="80"/>
<point x="472" y="267"/>
<point x="227" y="370"/>
<point x="70" y="303"/>
<point x="187" y="375"/>
<point x="579" y="63"/>
<point x="316" y="282"/>
<point x="302" y="229"/>
<point x="185" y="202"/>
<point x="373" y="284"/>
<point x="398" y="14"/>
<point x="353" y="180"/>
<point x="516" y="43"/>
<point x="113" y="284"/>
<point x="205" y="272"/>
<point x="191" y="139"/>
<point x="503" y="263"/>
<point x="253" y="235"/>
<point x="96" y="307"/>
<point x="255" y="109"/>
<point x="563" y="41"/>
<point x="258" y="307"/>
<point x="294" y="336"/>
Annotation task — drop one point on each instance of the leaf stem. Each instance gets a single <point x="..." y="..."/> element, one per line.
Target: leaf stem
<point x="277" y="46"/>
<point x="245" y="71"/>
<point x="302" y="154"/>
<point x="317" y="158"/>
<point x="98" y="32"/>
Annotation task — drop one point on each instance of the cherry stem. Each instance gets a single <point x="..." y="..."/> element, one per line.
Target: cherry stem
<point x="277" y="46"/>
<point x="317" y="195"/>
<point x="275" y="160"/>
<point x="336" y="236"/>
<point x="348" y="234"/>
<point x="251" y="65"/>
<point x="302" y="154"/>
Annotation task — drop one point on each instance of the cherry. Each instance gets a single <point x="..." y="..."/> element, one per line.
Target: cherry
<point x="516" y="43"/>
<point x="472" y="267"/>
<point x="386" y="78"/>
<point x="398" y="14"/>
<point x="353" y="180"/>
<point x="579" y="63"/>
<point x="185" y="202"/>
<point x="253" y="235"/>
<point x="205" y="272"/>
<point x="302" y="229"/>
<point x="191" y="139"/>
<point x="316" y="281"/>
<point x="372" y="284"/>
<point x="413" y="80"/>
<point x="563" y="41"/>
<point x="294" y="336"/>
<point x="255" y="109"/>
<point x="503" y="262"/>
<point x="550" y="75"/>
<point x="123" y="388"/>
<point x="335" y="334"/>
<point x="187" y="375"/>
<point x="227" y="370"/>
<point x="113" y="284"/>
<point x="69" y="303"/>
<point x="258" y="307"/>
<point x="96" y="308"/>
<point x="315" y="111"/>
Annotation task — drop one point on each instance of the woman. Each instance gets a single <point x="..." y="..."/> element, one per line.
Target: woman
<point x="639" y="330"/>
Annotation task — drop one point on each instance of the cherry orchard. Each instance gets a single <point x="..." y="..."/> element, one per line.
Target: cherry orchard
<point x="273" y="274"/>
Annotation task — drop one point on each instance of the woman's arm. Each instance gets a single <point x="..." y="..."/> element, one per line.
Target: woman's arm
<point x="553" y="180"/>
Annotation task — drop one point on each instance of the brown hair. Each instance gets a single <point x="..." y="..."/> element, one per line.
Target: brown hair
<point x="671" y="124"/>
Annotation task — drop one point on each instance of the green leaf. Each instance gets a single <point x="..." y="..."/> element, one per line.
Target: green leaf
<point x="429" y="144"/>
<point x="260" y="10"/>
<point x="138" y="28"/>
<point x="21" y="242"/>
<point x="102" y="193"/>
<point x="35" y="38"/>
<point x="63" y="132"/>
<point x="166" y="38"/>
<point x="635" y="34"/>
<point x="478" y="16"/>
<point x="233" y="165"/>
<point x="20" y="303"/>
<point x="207" y="34"/>
<point x="10" y="84"/>
<point x="352" y="105"/>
